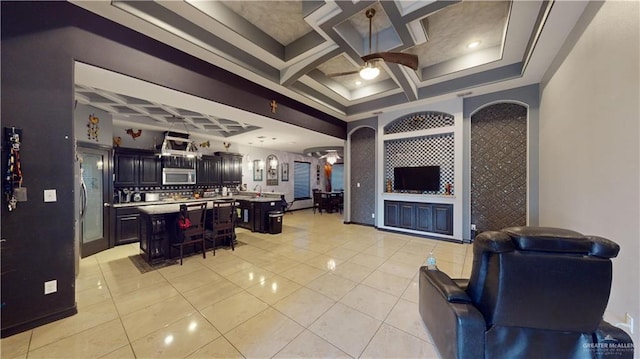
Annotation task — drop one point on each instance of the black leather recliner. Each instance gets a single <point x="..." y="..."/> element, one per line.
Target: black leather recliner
<point x="534" y="292"/>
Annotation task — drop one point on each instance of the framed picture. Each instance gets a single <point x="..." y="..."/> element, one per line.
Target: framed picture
<point x="257" y="170"/>
<point x="272" y="170"/>
<point x="285" y="172"/>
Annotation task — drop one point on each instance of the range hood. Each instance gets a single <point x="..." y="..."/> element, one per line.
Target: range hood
<point x="178" y="145"/>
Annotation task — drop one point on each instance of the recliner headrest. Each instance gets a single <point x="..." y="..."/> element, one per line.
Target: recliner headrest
<point x="548" y="239"/>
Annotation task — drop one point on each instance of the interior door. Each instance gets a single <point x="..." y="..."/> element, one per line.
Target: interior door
<point x="94" y="200"/>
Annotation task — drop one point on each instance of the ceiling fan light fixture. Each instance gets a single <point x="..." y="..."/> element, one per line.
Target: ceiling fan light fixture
<point x="369" y="72"/>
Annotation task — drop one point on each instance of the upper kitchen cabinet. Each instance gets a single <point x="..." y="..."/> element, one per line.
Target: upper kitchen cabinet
<point x="136" y="168"/>
<point x="231" y="168"/>
<point x="209" y="170"/>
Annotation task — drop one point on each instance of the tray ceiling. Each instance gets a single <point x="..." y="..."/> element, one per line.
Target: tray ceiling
<point x="294" y="46"/>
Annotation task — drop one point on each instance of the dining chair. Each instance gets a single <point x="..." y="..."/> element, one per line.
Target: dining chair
<point x="191" y="229"/>
<point x="223" y="223"/>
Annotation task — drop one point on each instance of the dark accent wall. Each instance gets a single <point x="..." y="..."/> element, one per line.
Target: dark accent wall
<point x="363" y="198"/>
<point x="40" y="42"/>
<point x="499" y="167"/>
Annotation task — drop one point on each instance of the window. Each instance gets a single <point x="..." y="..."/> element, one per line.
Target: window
<point x="337" y="177"/>
<point x="301" y="180"/>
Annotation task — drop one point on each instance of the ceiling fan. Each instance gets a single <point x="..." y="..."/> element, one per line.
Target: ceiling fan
<point x="370" y="69"/>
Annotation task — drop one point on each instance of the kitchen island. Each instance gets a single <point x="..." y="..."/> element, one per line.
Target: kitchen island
<point x="158" y="229"/>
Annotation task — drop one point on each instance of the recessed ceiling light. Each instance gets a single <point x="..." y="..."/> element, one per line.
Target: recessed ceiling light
<point x="473" y="44"/>
<point x="358" y="83"/>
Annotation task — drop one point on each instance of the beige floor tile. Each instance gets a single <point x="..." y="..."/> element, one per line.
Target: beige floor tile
<point x="16" y="345"/>
<point x="91" y="343"/>
<point x="325" y="262"/>
<point x="90" y="281"/>
<point x="229" y="313"/>
<point x="194" y="279"/>
<point x="452" y="269"/>
<point x="353" y="271"/>
<point x="346" y="328"/>
<point x="390" y="342"/>
<point x="177" y="340"/>
<point x="309" y="345"/>
<point x="302" y="273"/>
<point x="365" y="268"/>
<point x="406" y="317"/>
<point x="177" y="270"/>
<point x="280" y="264"/>
<point x="142" y="298"/>
<point x="341" y="253"/>
<point x="400" y="269"/>
<point x="125" y="285"/>
<point x="383" y="252"/>
<point x="217" y="349"/>
<point x="370" y="301"/>
<point x="304" y="306"/>
<point x="332" y="285"/>
<point x="264" y="335"/>
<point x="126" y="352"/>
<point x="229" y="267"/>
<point x="388" y="283"/>
<point x="89" y="317"/>
<point x="367" y="260"/>
<point x="248" y="277"/>
<point x="413" y="290"/>
<point x="273" y="289"/>
<point x="145" y="321"/>
<point x="211" y="293"/>
<point x="92" y="296"/>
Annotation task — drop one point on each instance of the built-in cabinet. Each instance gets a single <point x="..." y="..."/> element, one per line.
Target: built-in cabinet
<point x="141" y="168"/>
<point x="209" y="170"/>
<point x="426" y="217"/>
<point x="231" y="168"/>
<point x="126" y="226"/>
<point x="136" y="168"/>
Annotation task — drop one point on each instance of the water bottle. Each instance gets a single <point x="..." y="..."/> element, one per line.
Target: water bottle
<point x="431" y="260"/>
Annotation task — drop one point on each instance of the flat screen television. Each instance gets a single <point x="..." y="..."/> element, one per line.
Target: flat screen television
<point x="423" y="179"/>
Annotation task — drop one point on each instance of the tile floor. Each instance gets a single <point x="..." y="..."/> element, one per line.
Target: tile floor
<point x="320" y="289"/>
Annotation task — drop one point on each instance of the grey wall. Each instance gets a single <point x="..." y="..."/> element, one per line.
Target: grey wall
<point x="362" y="170"/>
<point x="499" y="167"/>
<point x="589" y="142"/>
<point x="527" y="96"/>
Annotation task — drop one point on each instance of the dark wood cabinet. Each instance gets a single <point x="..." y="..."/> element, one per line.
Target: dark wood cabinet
<point x="126" y="167"/>
<point x="231" y="168"/>
<point x="150" y="170"/>
<point x="426" y="217"/>
<point x="136" y="168"/>
<point x="392" y="214"/>
<point x="443" y="218"/>
<point x="208" y="170"/>
<point x="127" y="226"/>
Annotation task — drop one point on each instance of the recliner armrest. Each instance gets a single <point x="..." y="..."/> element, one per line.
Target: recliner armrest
<point x="445" y="285"/>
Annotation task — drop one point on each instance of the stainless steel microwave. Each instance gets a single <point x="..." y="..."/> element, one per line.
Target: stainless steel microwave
<point x="178" y="176"/>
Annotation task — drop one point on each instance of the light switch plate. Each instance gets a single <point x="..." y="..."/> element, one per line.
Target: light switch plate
<point x="50" y="195"/>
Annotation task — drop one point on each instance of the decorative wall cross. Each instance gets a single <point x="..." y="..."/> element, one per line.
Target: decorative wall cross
<point x="274" y="106"/>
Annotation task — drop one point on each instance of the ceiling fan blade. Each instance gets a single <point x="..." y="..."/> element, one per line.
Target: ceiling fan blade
<point x="336" y="74"/>
<point x="408" y="60"/>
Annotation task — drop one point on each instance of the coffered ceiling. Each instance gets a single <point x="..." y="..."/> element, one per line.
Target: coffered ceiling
<point x="297" y="47"/>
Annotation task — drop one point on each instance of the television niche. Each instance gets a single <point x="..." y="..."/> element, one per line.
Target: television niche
<point x="416" y="179"/>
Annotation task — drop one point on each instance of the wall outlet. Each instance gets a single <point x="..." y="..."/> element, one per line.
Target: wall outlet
<point x="629" y="321"/>
<point x="373" y="215"/>
<point x="50" y="195"/>
<point x="50" y="287"/>
<point x="473" y="227"/>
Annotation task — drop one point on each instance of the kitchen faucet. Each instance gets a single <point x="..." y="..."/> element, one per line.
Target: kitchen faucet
<point x="259" y="193"/>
